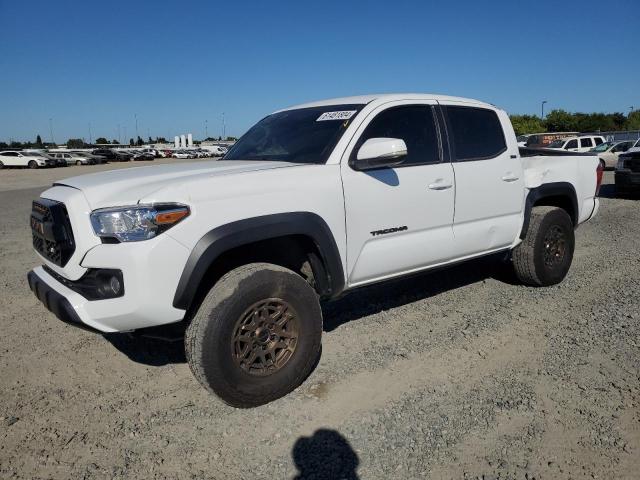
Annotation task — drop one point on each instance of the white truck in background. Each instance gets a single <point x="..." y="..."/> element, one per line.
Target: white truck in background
<point x="312" y="202"/>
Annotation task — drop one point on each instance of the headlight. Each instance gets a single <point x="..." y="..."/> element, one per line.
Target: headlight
<point x="133" y="224"/>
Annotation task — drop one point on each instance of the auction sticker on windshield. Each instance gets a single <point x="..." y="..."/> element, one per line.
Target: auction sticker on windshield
<point x="342" y="115"/>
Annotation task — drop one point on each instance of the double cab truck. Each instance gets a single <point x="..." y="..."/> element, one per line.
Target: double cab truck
<point x="312" y="202"/>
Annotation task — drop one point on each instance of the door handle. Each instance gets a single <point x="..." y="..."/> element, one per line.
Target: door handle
<point x="439" y="185"/>
<point x="510" y="177"/>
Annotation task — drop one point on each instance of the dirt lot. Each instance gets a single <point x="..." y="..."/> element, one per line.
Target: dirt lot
<point x="462" y="374"/>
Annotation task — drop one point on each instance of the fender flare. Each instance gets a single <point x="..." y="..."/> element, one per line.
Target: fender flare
<point x="242" y="232"/>
<point x="553" y="189"/>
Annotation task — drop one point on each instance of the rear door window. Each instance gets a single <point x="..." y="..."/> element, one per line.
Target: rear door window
<point x="585" y="142"/>
<point x="476" y="133"/>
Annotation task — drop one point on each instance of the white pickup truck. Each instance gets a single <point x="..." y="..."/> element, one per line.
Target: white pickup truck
<point x="313" y="201"/>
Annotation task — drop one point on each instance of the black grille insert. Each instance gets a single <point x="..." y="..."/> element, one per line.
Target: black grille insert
<point x="51" y="231"/>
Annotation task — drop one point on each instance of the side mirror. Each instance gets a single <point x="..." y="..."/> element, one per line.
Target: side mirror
<point x="380" y="153"/>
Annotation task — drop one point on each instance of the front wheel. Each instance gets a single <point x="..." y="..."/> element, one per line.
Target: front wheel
<point x="78" y="163"/>
<point x="546" y="252"/>
<point x="256" y="335"/>
<point x="32" y="164"/>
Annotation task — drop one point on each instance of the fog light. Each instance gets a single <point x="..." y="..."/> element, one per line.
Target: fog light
<point x="115" y="285"/>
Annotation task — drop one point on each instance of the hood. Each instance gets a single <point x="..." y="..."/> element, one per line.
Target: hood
<point x="127" y="186"/>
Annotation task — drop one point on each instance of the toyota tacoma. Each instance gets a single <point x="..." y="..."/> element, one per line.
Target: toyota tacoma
<point x="312" y="202"/>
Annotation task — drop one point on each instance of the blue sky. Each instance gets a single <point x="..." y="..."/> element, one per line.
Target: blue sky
<point x="177" y="64"/>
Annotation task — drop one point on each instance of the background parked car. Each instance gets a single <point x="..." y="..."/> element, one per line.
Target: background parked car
<point x="635" y="147"/>
<point x="582" y="143"/>
<point x="542" y="140"/>
<point x="97" y="159"/>
<point x="112" y="155"/>
<point x="182" y="154"/>
<point x="216" y="150"/>
<point x="60" y="162"/>
<point x="522" y="140"/>
<point x="627" y="174"/>
<point x="143" y="155"/>
<point x="609" y="152"/>
<point x="73" y="158"/>
<point x="13" y="158"/>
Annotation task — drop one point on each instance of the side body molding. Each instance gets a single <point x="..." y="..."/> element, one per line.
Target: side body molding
<point x="249" y="230"/>
<point x="547" y="190"/>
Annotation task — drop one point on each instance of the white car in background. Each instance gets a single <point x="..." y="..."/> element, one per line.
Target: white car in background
<point x="182" y="154"/>
<point x="73" y="158"/>
<point x="216" y="150"/>
<point x="609" y="151"/>
<point x="522" y="140"/>
<point x="635" y="147"/>
<point x="14" y="158"/>
<point x="582" y="143"/>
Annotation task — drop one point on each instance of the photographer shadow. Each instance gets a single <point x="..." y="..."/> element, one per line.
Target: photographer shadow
<point x="326" y="455"/>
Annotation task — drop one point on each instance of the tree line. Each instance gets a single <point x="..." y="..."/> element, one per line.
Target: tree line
<point x="563" y="121"/>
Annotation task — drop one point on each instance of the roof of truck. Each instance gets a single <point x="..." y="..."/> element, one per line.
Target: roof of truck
<point x="387" y="97"/>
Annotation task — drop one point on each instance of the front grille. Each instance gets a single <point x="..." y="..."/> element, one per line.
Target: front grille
<point x="51" y="231"/>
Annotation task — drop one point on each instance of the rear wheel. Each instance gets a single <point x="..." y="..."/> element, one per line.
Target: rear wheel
<point x="1" y="165"/>
<point x="545" y="254"/>
<point x="32" y="164"/>
<point x="78" y="163"/>
<point x="256" y="335"/>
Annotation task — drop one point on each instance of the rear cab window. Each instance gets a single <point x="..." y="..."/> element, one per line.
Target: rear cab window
<point x="475" y="133"/>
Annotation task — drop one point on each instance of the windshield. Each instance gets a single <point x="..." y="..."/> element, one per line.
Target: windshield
<point x="305" y="135"/>
<point x="556" y="144"/>
<point x="603" y="147"/>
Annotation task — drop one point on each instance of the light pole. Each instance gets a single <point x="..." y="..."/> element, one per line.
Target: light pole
<point x="135" y="115"/>
<point x="224" y="128"/>
<point x="119" y="139"/>
<point x="206" y="129"/>
<point x="51" y="129"/>
<point x="90" y="142"/>
<point x="543" y="102"/>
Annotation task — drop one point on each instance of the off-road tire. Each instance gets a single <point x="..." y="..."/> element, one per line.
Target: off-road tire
<point x="209" y="339"/>
<point x="32" y="164"/>
<point x="528" y="258"/>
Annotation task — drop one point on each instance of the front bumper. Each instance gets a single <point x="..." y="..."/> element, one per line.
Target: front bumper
<point x="151" y="271"/>
<point x="55" y="302"/>
<point x="627" y="181"/>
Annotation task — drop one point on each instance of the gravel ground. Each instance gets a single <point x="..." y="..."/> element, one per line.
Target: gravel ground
<point x="461" y="374"/>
